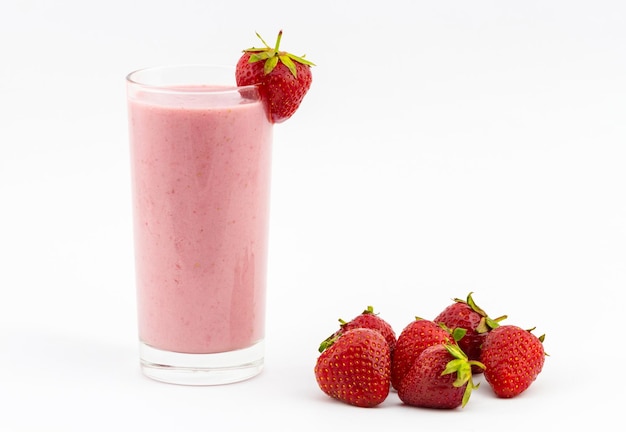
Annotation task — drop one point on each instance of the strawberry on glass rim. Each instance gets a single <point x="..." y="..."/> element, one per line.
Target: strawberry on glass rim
<point x="283" y="79"/>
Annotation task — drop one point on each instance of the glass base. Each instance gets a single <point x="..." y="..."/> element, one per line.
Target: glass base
<point x="202" y="369"/>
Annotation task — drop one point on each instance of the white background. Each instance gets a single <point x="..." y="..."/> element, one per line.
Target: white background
<point x="445" y="147"/>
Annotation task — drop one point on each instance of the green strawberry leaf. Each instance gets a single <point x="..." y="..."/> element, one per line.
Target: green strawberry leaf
<point x="458" y="333"/>
<point x="300" y="59"/>
<point x="269" y="65"/>
<point x="287" y="62"/>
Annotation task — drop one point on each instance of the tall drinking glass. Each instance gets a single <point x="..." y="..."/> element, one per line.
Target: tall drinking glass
<point x="200" y="160"/>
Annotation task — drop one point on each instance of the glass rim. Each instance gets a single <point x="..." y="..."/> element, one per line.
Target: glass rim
<point x="164" y="88"/>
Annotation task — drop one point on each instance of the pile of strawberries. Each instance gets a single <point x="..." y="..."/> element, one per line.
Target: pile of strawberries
<point x="432" y="362"/>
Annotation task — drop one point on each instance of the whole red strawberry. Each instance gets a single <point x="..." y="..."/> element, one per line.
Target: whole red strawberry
<point x="467" y="315"/>
<point x="355" y="368"/>
<point x="283" y="78"/>
<point x="415" y="338"/>
<point x="367" y="319"/>
<point x="513" y="358"/>
<point x="441" y="377"/>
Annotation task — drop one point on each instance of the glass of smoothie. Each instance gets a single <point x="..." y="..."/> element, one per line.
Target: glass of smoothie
<point x="200" y="161"/>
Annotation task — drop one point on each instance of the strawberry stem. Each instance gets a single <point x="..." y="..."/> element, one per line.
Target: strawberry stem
<point x="280" y="36"/>
<point x="369" y="310"/>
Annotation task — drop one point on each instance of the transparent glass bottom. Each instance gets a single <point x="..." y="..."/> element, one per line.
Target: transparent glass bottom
<point x="202" y="369"/>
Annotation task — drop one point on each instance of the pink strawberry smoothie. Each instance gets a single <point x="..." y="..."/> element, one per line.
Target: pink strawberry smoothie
<point x="201" y="183"/>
